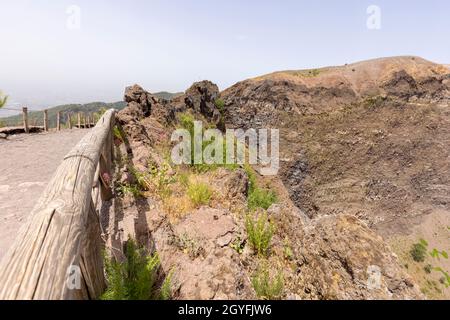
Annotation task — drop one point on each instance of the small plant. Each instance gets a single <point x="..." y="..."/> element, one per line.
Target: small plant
<point x="155" y="178"/>
<point x="261" y="198"/>
<point x="287" y="251"/>
<point x="260" y="232"/>
<point x="136" y="278"/>
<point x="183" y="179"/>
<point x="220" y="104"/>
<point x="252" y="184"/>
<point x="266" y="286"/>
<point x="238" y="245"/>
<point x="199" y="193"/>
<point x="188" y="245"/>
<point x="257" y="197"/>
<point x="446" y="277"/>
<point x="187" y="122"/>
<point x="314" y="73"/>
<point x="428" y="268"/>
<point x="419" y="251"/>
<point x="117" y="134"/>
<point x="130" y="190"/>
<point x="162" y="178"/>
<point x="437" y="254"/>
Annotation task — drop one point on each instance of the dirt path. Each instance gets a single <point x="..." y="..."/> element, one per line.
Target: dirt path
<point x="27" y="163"/>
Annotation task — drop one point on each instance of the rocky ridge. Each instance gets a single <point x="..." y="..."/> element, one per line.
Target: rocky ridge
<point x="329" y="258"/>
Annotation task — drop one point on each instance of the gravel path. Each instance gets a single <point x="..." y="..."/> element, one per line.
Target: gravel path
<point x="27" y="163"/>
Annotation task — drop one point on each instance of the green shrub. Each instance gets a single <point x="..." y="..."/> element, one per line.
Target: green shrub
<point x="266" y="286"/>
<point x="136" y="278"/>
<point x="220" y="104"/>
<point x="238" y="245"/>
<point x="445" y="280"/>
<point x="187" y="122"/>
<point x="257" y="197"/>
<point x="418" y="252"/>
<point x="129" y="189"/>
<point x="117" y="133"/>
<point x="261" y="198"/>
<point x="199" y="193"/>
<point x="162" y="179"/>
<point x="260" y="232"/>
<point x="252" y="184"/>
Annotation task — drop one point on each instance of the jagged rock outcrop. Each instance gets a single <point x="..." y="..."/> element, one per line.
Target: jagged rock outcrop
<point x="201" y="98"/>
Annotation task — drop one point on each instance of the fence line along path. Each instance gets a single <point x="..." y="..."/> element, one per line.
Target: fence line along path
<point x="58" y="252"/>
<point x="85" y="120"/>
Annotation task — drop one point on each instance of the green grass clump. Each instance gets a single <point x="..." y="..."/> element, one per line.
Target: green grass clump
<point x="163" y="179"/>
<point x="220" y="104"/>
<point x="445" y="280"/>
<point x="261" y="198"/>
<point x="258" y="197"/>
<point x="266" y="286"/>
<point x="199" y="193"/>
<point x="136" y="278"/>
<point x="419" y="251"/>
<point x="260" y="232"/>
<point x="187" y="122"/>
<point x="117" y="133"/>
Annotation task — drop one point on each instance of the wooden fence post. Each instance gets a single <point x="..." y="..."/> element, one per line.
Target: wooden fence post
<point x="25" y="119"/>
<point x="69" y="121"/>
<point x="84" y="120"/>
<point x="58" y="121"/>
<point x="45" y="120"/>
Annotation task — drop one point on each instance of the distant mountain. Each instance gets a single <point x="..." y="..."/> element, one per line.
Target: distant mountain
<point x="167" y="95"/>
<point x="37" y="117"/>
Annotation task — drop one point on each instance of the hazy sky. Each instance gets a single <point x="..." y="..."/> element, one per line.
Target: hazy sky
<point x="166" y="45"/>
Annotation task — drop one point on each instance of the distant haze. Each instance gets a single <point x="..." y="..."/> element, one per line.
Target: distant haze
<point x="46" y="60"/>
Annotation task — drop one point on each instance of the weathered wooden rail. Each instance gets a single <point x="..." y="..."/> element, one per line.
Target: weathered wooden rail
<point x="58" y="253"/>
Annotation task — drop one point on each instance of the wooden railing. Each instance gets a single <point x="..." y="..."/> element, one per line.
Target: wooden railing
<point x="79" y="120"/>
<point x="58" y="253"/>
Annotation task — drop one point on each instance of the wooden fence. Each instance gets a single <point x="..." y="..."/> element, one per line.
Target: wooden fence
<point x="83" y="120"/>
<point x="58" y="253"/>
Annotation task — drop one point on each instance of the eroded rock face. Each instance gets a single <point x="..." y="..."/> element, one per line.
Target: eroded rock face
<point x="343" y="259"/>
